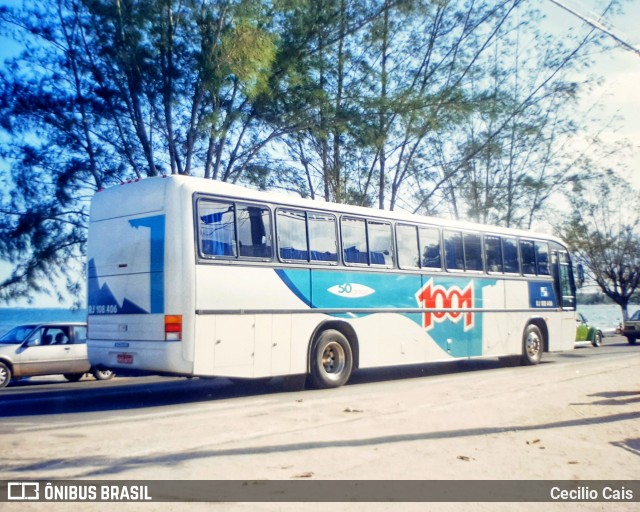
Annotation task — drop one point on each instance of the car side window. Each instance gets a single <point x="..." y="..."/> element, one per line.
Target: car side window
<point x="36" y="338"/>
<point x="56" y="336"/>
<point x="46" y="336"/>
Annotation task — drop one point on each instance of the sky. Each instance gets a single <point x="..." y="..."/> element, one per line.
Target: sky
<point x="617" y="95"/>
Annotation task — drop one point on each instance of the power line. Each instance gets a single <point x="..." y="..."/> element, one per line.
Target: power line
<point x="599" y="25"/>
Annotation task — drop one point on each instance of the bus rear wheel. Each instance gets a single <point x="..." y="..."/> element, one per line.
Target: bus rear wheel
<point x="102" y="374"/>
<point x="331" y="360"/>
<point x="532" y="345"/>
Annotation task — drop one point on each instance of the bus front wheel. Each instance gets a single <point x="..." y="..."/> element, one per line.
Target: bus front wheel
<point x="532" y="345"/>
<point x="331" y="360"/>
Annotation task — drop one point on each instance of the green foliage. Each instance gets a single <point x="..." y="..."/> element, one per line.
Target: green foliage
<point x="434" y="106"/>
<point x="248" y="53"/>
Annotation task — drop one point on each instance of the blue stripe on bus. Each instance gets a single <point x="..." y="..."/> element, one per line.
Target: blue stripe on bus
<point x="156" y="224"/>
<point x="299" y="282"/>
<point x="458" y="334"/>
<point x="101" y="299"/>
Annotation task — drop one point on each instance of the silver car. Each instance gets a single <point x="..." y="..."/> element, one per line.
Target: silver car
<point x="46" y="349"/>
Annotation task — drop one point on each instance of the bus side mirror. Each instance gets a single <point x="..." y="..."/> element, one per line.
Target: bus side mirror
<point x="580" y="280"/>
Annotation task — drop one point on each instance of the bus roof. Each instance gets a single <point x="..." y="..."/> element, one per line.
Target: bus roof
<point x="193" y="185"/>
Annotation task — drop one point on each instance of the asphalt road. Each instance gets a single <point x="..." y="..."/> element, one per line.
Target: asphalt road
<point x="576" y="416"/>
<point x="55" y="398"/>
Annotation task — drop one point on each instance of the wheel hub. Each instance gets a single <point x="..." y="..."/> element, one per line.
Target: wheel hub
<point x="333" y="358"/>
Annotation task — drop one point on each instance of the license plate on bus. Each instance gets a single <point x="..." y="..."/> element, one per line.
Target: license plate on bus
<point x="125" y="358"/>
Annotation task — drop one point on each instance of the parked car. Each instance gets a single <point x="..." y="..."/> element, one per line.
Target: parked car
<point x="631" y="328"/>
<point x="586" y="333"/>
<point x="46" y="349"/>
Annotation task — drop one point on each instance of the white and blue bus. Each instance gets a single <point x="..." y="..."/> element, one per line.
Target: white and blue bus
<point x="194" y="277"/>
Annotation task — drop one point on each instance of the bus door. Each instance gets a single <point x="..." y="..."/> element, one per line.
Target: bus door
<point x="563" y="280"/>
<point x="566" y="292"/>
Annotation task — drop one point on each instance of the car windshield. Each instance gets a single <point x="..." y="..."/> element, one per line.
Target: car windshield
<point x="635" y="316"/>
<point x="17" y="335"/>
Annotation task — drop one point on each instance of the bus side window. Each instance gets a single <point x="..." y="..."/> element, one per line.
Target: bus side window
<point x="510" y="256"/>
<point x="254" y="232"/>
<point x="354" y="241"/>
<point x="292" y="235"/>
<point x="407" y="241"/>
<point x="217" y="228"/>
<point x="493" y="253"/>
<point x="380" y="243"/>
<point x="473" y="252"/>
<point x="542" y="258"/>
<point x="528" y="255"/>
<point x="430" y="246"/>
<point x="453" y="250"/>
<point x="323" y="243"/>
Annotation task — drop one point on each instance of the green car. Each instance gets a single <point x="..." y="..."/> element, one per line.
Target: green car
<point x="587" y="333"/>
<point x="631" y="328"/>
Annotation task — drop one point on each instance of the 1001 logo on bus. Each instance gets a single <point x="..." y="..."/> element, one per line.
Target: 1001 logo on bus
<point x="433" y="296"/>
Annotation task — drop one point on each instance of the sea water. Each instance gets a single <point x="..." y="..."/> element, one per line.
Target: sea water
<point x="605" y="317"/>
<point x="10" y="317"/>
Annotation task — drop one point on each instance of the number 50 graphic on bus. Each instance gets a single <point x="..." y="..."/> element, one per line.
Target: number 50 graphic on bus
<point x="433" y="296"/>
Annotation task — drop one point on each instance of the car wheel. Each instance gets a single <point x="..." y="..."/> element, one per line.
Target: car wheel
<point x="532" y="345"/>
<point x="632" y="341"/>
<point x="73" y="377"/>
<point x="5" y="375"/>
<point x="597" y="339"/>
<point x="331" y="360"/>
<point x="102" y="374"/>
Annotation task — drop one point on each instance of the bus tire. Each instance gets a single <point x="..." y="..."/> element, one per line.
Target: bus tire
<point x="532" y="345"/>
<point x="631" y="340"/>
<point x="102" y="374"/>
<point x="331" y="360"/>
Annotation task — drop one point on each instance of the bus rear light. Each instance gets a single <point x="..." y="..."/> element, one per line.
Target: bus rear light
<point x="173" y="327"/>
